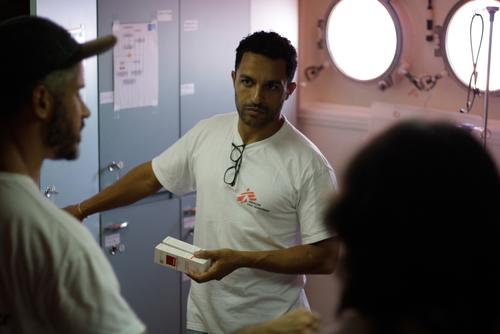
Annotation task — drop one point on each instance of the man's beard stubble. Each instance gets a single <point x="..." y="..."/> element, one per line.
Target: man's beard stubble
<point x="60" y="134"/>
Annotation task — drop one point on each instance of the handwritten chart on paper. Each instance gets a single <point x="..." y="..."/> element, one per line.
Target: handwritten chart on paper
<point x="135" y="65"/>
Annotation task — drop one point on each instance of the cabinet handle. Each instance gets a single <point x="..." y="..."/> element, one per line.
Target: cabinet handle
<point x="117" y="249"/>
<point x="115" y="165"/>
<point x="116" y="227"/>
<point x="50" y="191"/>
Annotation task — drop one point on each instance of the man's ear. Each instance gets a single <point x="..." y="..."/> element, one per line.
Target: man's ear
<point x="233" y="76"/>
<point x="290" y="88"/>
<point x="42" y="102"/>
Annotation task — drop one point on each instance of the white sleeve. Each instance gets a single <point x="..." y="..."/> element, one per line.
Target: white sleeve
<point x="174" y="167"/>
<point x="88" y="296"/>
<point x="315" y="193"/>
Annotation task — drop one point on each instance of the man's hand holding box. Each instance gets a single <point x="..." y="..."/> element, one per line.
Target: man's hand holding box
<point x="178" y="255"/>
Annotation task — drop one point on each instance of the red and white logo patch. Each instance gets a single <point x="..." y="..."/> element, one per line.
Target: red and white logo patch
<point x="249" y="198"/>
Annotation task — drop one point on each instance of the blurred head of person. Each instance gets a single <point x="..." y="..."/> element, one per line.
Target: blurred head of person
<point x="419" y="221"/>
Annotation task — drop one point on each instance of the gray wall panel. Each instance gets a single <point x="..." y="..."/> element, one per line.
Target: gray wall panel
<point x="153" y="291"/>
<point x="210" y="33"/>
<point x="137" y="135"/>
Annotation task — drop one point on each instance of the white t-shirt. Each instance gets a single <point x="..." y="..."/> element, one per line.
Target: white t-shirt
<point x="277" y="202"/>
<point x="53" y="276"/>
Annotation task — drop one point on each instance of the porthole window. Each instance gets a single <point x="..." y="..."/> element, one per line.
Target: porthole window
<point x="363" y="38"/>
<point x="457" y="52"/>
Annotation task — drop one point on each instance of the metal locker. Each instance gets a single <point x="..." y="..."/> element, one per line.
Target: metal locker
<point x="129" y="137"/>
<point x="130" y="235"/>
<point x="210" y="33"/>
<point x="132" y="136"/>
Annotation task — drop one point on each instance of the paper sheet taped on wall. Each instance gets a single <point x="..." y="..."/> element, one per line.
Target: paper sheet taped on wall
<point x="187" y="89"/>
<point x="178" y="255"/>
<point x="190" y="25"/>
<point x="106" y="97"/>
<point x="135" y="65"/>
<point x="165" y="15"/>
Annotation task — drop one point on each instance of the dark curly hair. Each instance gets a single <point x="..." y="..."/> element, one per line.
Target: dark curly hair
<point x="271" y="45"/>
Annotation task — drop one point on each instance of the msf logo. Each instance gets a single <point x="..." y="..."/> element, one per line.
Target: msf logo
<point x="246" y="197"/>
<point x="249" y="198"/>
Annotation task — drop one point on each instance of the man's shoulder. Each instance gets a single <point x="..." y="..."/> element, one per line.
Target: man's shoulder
<point x="25" y="212"/>
<point x="28" y="204"/>
<point x="18" y="198"/>
<point x="301" y="147"/>
<point x="219" y="120"/>
<point x="216" y="125"/>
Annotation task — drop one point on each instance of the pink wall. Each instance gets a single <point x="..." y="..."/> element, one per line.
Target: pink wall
<point x="332" y="87"/>
<point x="347" y="129"/>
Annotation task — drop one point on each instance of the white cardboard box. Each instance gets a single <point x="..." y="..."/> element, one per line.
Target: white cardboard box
<point x="179" y="244"/>
<point x="178" y="255"/>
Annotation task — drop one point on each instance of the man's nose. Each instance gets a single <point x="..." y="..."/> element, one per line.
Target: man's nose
<point x="257" y="95"/>
<point x="85" y="111"/>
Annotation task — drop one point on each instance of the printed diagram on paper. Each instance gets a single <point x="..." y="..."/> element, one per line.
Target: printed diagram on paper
<point x="135" y="65"/>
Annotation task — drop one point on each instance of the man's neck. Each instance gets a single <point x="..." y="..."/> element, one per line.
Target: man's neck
<point x="251" y="135"/>
<point x="21" y="153"/>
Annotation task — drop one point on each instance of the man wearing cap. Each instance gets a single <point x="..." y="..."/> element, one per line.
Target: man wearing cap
<point x="53" y="276"/>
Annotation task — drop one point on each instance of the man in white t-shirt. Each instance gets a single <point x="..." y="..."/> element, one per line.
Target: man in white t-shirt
<point x="261" y="187"/>
<point x="53" y="276"/>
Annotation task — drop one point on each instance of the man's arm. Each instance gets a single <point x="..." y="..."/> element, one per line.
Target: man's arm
<point x="135" y="185"/>
<point x="296" y="322"/>
<point x="318" y="258"/>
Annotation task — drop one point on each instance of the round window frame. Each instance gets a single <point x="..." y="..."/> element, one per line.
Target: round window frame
<point x="398" y="55"/>
<point x="443" y="35"/>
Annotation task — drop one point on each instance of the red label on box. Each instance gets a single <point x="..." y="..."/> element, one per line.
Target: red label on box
<point x="171" y="260"/>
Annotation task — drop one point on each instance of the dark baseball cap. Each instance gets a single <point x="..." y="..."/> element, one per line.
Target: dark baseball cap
<point x="39" y="46"/>
<point x="33" y="47"/>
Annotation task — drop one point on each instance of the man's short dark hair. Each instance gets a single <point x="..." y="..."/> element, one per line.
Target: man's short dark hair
<point x="271" y="45"/>
<point x="34" y="47"/>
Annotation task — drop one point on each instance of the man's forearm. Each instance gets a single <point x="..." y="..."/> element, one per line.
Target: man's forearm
<point x="133" y="186"/>
<point x="296" y="322"/>
<point x="318" y="258"/>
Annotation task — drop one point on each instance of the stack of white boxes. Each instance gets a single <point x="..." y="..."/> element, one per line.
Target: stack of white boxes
<point x="178" y="255"/>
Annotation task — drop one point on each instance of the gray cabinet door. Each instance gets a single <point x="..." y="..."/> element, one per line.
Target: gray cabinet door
<point x="153" y="291"/>
<point x="136" y="135"/>
<point x="210" y="33"/>
<point x="72" y="181"/>
<point x="133" y="136"/>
